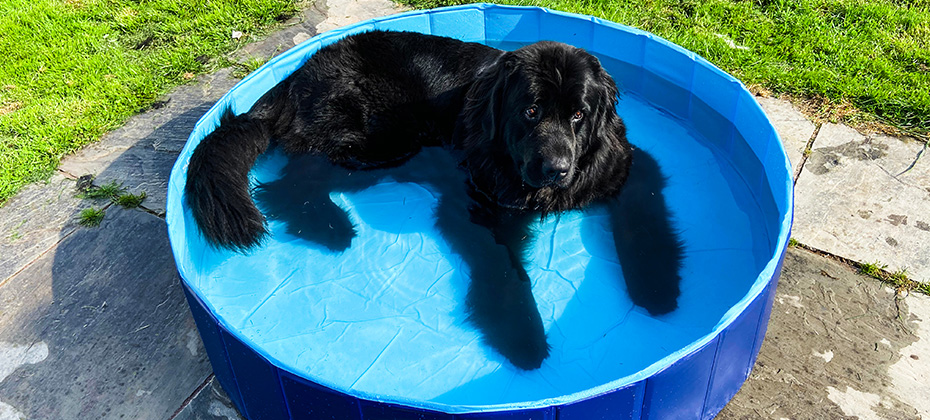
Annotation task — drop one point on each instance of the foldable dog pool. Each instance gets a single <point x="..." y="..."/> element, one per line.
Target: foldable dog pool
<point x="379" y="331"/>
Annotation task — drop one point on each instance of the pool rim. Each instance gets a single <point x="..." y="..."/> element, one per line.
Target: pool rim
<point x="766" y="278"/>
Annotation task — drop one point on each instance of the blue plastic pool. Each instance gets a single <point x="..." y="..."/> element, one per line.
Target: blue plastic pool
<point x="378" y="331"/>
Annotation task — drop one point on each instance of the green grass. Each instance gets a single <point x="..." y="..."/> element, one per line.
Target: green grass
<point x="130" y="201"/>
<point x="109" y="191"/>
<point x="898" y="279"/>
<point x="91" y="217"/>
<point x="248" y="66"/>
<point x="70" y="70"/>
<point x="872" y="55"/>
<point x="112" y="191"/>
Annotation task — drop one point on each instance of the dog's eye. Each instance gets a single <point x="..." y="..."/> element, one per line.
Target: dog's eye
<point x="531" y="113"/>
<point x="577" y="116"/>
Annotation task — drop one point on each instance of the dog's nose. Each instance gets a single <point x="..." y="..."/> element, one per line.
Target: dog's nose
<point x="556" y="169"/>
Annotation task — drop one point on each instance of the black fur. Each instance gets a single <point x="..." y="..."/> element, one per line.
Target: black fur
<point x="535" y="130"/>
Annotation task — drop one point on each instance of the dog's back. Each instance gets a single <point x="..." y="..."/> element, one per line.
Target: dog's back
<point x="370" y="100"/>
<point x="377" y="96"/>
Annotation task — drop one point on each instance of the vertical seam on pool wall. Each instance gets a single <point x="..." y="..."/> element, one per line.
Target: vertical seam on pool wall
<point x="235" y="379"/>
<point x="713" y="371"/>
<point x="358" y="406"/>
<point x="756" y="345"/>
<point x="638" y="392"/>
<point x="287" y="406"/>
<point x="429" y="22"/>
<point x="689" y="113"/>
<point x="642" y="405"/>
<point x="642" y="60"/>
<point x="484" y="21"/>
<point x="591" y="26"/>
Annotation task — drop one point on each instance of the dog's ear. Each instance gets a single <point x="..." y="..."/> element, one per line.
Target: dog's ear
<point x="608" y="127"/>
<point x="484" y="102"/>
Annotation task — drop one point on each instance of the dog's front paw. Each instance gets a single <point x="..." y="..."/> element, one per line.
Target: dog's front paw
<point x="524" y="345"/>
<point x="504" y="309"/>
<point x="656" y="292"/>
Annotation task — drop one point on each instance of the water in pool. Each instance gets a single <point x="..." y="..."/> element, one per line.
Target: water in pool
<point x="385" y="317"/>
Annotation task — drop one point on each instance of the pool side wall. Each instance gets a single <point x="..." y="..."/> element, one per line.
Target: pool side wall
<point x="696" y="386"/>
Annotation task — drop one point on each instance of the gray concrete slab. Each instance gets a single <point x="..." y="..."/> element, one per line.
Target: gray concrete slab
<point x="792" y="126"/>
<point x="98" y="327"/>
<point x="866" y="198"/>
<point x="838" y="345"/>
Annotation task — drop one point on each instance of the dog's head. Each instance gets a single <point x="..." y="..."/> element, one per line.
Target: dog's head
<point x="552" y="108"/>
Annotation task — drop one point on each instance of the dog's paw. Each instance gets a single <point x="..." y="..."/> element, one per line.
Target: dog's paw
<point x="525" y="348"/>
<point x="501" y="304"/>
<point x="657" y="295"/>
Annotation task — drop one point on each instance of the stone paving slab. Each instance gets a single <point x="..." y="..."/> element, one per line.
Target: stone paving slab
<point x="34" y="220"/>
<point x="866" y="198"/>
<point x="102" y="304"/>
<point x="99" y="327"/>
<point x="838" y="345"/>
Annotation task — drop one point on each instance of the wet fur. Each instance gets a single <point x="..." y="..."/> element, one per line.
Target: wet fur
<point x="374" y="100"/>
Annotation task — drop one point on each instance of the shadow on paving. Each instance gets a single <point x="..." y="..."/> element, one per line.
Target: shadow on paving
<point x="105" y="307"/>
<point x="97" y="326"/>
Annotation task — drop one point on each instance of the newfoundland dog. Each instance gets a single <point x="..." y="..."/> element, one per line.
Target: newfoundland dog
<point x="535" y="131"/>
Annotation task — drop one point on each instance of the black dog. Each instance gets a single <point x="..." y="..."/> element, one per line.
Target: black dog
<point x="535" y="130"/>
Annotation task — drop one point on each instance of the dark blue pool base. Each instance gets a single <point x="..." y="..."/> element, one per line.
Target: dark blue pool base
<point x="696" y="386"/>
<point x="692" y="381"/>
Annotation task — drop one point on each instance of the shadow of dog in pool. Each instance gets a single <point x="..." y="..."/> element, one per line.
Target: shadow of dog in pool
<point x="535" y="131"/>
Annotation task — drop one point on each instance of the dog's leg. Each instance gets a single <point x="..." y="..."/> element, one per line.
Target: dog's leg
<point x="648" y="246"/>
<point x="500" y="300"/>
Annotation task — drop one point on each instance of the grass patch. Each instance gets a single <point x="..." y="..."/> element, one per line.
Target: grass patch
<point x="109" y="191"/>
<point x="251" y="64"/>
<point x="897" y="279"/>
<point x="71" y="70"/>
<point x="871" y="55"/>
<point x="91" y="217"/>
<point x="113" y="191"/>
<point x="130" y="201"/>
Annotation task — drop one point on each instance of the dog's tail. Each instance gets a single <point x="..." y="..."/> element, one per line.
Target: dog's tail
<point x="218" y="190"/>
